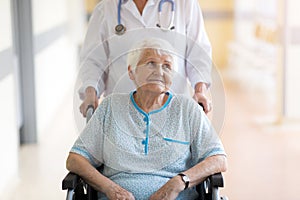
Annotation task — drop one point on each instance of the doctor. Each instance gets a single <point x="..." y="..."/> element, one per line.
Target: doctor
<point x="116" y="24"/>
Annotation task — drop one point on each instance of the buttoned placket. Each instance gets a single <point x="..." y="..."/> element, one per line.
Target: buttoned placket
<point x="147" y="120"/>
<point x="145" y="142"/>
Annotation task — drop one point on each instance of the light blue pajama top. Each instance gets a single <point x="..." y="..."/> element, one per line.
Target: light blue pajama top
<point x="142" y="151"/>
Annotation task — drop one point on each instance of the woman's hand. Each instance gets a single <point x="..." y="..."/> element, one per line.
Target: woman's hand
<point x="170" y="190"/>
<point x="116" y="192"/>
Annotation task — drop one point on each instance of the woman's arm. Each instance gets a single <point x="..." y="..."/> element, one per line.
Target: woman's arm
<point x="81" y="166"/>
<point x="209" y="166"/>
<point x="197" y="174"/>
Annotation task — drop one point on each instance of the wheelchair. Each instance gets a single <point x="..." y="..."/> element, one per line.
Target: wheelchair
<point x="77" y="189"/>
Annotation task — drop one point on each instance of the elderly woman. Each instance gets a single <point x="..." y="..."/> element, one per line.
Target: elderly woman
<point x="152" y="144"/>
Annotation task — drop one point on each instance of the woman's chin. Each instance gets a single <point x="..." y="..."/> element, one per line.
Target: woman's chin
<point x="154" y="88"/>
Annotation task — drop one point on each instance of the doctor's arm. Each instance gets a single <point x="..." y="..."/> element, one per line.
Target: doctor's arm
<point x="81" y="166"/>
<point x="198" y="54"/>
<point x="93" y="61"/>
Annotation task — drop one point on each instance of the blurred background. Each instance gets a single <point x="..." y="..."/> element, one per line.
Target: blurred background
<point x="256" y="48"/>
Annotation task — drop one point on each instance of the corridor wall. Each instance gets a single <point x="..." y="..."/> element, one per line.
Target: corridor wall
<point x="265" y="52"/>
<point x="291" y="46"/>
<point x="58" y="29"/>
<point x="9" y="135"/>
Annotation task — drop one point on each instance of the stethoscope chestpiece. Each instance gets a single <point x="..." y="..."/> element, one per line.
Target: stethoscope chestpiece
<point x="165" y="29"/>
<point x="120" y="29"/>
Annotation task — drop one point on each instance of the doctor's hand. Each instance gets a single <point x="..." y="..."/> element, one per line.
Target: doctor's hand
<point x="90" y="99"/>
<point x="201" y="98"/>
<point x="204" y="101"/>
<point x="170" y="190"/>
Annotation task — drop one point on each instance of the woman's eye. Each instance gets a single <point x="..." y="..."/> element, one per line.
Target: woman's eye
<point x="151" y="64"/>
<point x="166" y="66"/>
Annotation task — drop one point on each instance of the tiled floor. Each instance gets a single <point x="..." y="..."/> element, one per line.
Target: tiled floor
<point x="264" y="158"/>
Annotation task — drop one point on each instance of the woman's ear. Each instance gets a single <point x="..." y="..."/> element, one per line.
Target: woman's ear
<point x="130" y="72"/>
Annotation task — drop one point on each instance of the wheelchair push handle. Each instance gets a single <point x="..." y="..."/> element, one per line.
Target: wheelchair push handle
<point x="201" y="104"/>
<point x="89" y="112"/>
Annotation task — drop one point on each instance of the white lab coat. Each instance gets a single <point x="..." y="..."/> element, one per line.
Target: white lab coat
<point x="103" y="56"/>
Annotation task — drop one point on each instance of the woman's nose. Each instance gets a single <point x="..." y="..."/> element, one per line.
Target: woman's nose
<point x="159" y="70"/>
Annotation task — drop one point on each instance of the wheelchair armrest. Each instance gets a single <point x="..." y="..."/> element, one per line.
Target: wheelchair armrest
<point x="216" y="180"/>
<point x="209" y="188"/>
<point x="76" y="186"/>
<point x="70" y="181"/>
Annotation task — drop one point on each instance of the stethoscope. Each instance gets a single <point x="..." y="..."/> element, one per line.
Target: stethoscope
<point x="120" y="28"/>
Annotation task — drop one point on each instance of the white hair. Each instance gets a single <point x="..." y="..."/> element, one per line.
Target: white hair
<point x="160" y="46"/>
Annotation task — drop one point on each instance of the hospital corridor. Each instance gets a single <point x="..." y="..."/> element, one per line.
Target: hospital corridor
<point x="255" y="94"/>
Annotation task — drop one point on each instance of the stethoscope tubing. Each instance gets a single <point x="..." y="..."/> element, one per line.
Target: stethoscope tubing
<point x="119" y="12"/>
<point x="164" y="1"/>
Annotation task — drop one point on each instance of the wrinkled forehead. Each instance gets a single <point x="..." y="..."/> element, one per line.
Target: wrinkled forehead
<point x="161" y="54"/>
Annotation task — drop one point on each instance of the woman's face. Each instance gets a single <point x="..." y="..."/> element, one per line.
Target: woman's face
<point x="154" y="72"/>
